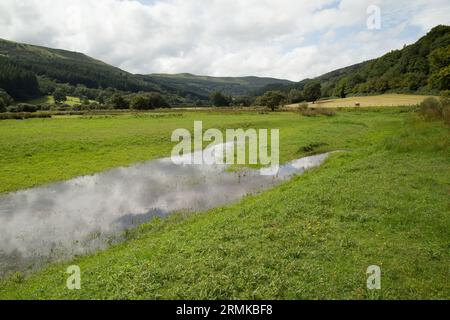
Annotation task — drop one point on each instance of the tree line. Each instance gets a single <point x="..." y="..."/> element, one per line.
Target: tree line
<point x="272" y="99"/>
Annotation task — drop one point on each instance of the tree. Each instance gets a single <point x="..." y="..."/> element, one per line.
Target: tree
<point x="272" y="99"/>
<point x="148" y="101"/>
<point x="441" y="80"/>
<point x="59" y="95"/>
<point x="140" y="102"/>
<point x="23" y="107"/>
<point x="85" y="100"/>
<point x="439" y="58"/>
<point x="5" y="100"/>
<point x="328" y="89"/>
<point x="341" y="88"/>
<point x="102" y="97"/>
<point x="2" y="106"/>
<point x="46" y="86"/>
<point x="219" y="100"/>
<point x="295" y="96"/>
<point x="118" y="102"/>
<point x="382" y="85"/>
<point x="440" y="66"/>
<point x="16" y="81"/>
<point x="431" y="108"/>
<point x="157" y="101"/>
<point x="243" y="101"/>
<point x="312" y="91"/>
<point x="81" y="91"/>
<point x="414" y="81"/>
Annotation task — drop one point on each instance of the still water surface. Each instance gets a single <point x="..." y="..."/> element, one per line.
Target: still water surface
<point x="61" y="220"/>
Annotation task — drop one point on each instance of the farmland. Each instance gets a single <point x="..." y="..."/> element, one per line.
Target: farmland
<point x="190" y="153"/>
<point x="385" y="100"/>
<point x="384" y="202"/>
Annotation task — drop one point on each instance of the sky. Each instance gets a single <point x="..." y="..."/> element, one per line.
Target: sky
<point x="288" y="39"/>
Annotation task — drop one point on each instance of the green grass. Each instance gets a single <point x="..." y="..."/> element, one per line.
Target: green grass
<point x="71" y="101"/>
<point x="383" y="203"/>
<point x="39" y="151"/>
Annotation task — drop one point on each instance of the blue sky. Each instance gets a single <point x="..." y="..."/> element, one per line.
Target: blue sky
<point x="292" y="39"/>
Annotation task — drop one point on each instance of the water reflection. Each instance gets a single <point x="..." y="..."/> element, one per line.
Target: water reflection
<point x="61" y="220"/>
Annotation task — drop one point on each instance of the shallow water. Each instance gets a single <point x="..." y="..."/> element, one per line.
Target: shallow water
<point x="81" y="215"/>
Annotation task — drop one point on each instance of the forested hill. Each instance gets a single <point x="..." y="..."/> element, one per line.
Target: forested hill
<point x="422" y="67"/>
<point x="64" y="67"/>
<point x="26" y="69"/>
<point x="205" y="85"/>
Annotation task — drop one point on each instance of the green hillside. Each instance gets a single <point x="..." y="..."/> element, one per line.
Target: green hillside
<point x="423" y="67"/>
<point x="203" y="86"/>
<point x="413" y="68"/>
<point x="22" y="66"/>
<point x="69" y="67"/>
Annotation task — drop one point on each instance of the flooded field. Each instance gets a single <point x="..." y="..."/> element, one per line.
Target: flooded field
<point x="88" y="213"/>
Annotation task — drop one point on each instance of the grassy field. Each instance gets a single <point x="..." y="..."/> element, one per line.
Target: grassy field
<point x="385" y="203"/>
<point x="386" y="100"/>
<point x="71" y="101"/>
<point x="39" y="151"/>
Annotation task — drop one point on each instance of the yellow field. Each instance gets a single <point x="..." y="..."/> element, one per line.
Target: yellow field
<point x="386" y="100"/>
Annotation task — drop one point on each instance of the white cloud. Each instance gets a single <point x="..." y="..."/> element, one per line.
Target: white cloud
<point x="282" y="38"/>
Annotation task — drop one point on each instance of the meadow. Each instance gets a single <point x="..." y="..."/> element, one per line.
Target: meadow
<point x="384" y="202"/>
<point x="50" y="100"/>
<point x="39" y="151"/>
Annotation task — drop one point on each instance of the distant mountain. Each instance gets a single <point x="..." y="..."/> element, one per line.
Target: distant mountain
<point x="203" y="86"/>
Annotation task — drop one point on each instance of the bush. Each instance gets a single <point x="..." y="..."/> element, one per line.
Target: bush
<point x="317" y="112"/>
<point x="59" y="95"/>
<point x="243" y="101"/>
<point x="44" y="107"/>
<point x="303" y="106"/>
<point x="5" y="100"/>
<point x="272" y="99"/>
<point x="431" y="108"/>
<point x="82" y="107"/>
<point x="446" y="115"/>
<point x="24" y="115"/>
<point x="445" y="101"/>
<point x="62" y="107"/>
<point x="12" y="109"/>
<point x="28" y="107"/>
<point x="22" y="107"/>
